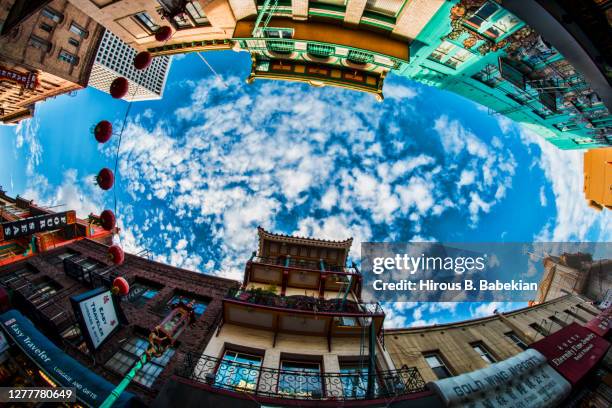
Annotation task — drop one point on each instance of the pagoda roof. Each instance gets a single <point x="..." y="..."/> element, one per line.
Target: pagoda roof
<point x="266" y="235"/>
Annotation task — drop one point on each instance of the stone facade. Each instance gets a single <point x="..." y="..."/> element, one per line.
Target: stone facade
<point x="502" y="336"/>
<point x="54" y="46"/>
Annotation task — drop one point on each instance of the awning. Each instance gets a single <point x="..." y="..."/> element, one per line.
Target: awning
<point x="91" y="389"/>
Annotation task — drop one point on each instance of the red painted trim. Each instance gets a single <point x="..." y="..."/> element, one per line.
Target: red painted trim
<point x="300" y="402"/>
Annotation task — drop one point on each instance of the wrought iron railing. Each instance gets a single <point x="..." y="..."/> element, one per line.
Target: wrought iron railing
<point x="304" y="303"/>
<point x="304" y="264"/>
<point x="290" y="384"/>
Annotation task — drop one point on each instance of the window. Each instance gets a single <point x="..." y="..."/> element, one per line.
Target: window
<point x="484" y="353"/>
<point x="442" y="51"/>
<point x="502" y="26"/>
<point x="39" y="43"/>
<point x="359" y="57"/>
<point x="516" y="340"/>
<point x="583" y="140"/>
<point x="46" y="27"/>
<point x="145" y="20"/>
<point x="81" y="32"/>
<point x="52" y="14"/>
<point x="68" y="57"/>
<point x="538" y="329"/>
<point x="589" y="311"/>
<point x="450" y="55"/>
<point x="555" y="319"/>
<point x="238" y="370"/>
<point x="435" y="362"/>
<point x="199" y="304"/>
<point x="197" y="13"/>
<point x="278" y="33"/>
<point x="300" y="378"/>
<point x="141" y="292"/>
<point x="576" y="316"/>
<point x="354" y="379"/>
<point x="482" y="14"/>
<point x="181" y="21"/>
<point x="16" y="278"/>
<point x="42" y="289"/>
<point x="67" y="254"/>
<point x="123" y="360"/>
<point x="73" y="42"/>
<point x="347" y="321"/>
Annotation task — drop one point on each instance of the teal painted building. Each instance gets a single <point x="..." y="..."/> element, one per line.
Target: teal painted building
<point x="479" y="50"/>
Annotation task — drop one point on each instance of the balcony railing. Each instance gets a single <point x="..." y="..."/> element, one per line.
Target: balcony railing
<point x="285" y="384"/>
<point x="303" y="264"/>
<point x="303" y="303"/>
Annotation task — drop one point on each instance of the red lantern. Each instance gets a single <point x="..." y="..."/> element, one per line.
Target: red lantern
<point x="163" y="34"/>
<point x="107" y="220"/>
<point x="116" y="254"/>
<point x="105" y="179"/>
<point x="121" y="286"/>
<point x="103" y="131"/>
<point x="119" y="88"/>
<point x="142" y="60"/>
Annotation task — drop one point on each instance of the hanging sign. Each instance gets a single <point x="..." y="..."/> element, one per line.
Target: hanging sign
<point x="28" y="81"/>
<point x="97" y="314"/>
<point x="602" y="323"/>
<point x="525" y="380"/>
<point x="573" y="351"/>
<point x="39" y="223"/>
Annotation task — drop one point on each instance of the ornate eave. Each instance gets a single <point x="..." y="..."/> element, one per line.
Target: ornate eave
<point x="265" y="235"/>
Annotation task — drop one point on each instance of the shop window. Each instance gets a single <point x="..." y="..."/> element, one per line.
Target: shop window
<point x="483" y="352"/>
<point x="238" y="371"/>
<point x="78" y="30"/>
<point x="52" y="14"/>
<point x="575" y="316"/>
<point x="39" y="43"/>
<point x="436" y="363"/>
<point x="516" y="340"/>
<point x="130" y="352"/>
<point x="300" y="378"/>
<point x="199" y="306"/>
<point x="141" y="292"/>
<point x="68" y="57"/>
<point x="145" y="20"/>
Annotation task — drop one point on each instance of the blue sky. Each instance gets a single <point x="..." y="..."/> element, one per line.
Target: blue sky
<point x="200" y="169"/>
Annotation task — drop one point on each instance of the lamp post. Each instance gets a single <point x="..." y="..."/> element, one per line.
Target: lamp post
<point x="162" y="337"/>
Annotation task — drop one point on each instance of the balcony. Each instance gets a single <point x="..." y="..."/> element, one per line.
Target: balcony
<point x="299" y="273"/>
<point x="268" y="384"/>
<point x="300" y="314"/>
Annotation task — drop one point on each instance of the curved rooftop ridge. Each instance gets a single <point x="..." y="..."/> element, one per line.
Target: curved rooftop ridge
<point x="263" y="234"/>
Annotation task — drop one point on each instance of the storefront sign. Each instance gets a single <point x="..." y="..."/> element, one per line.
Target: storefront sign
<point x="28" y="81"/>
<point x="39" y="223"/>
<point x="525" y="380"/>
<point x="573" y="351"/>
<point x="97" y="314"/>
<point x="62" y="369"/>
<point x="602" y="323"/>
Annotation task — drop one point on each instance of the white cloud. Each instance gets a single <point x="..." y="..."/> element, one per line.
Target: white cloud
<point x="26" y="136"/>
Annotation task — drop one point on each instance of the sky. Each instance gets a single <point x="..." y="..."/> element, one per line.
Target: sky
<point x="199" y="170"/>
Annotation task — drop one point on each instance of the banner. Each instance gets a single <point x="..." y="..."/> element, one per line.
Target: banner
<point x="573" y="351"/>
<point x="525" y="380"/>
<point x="39" y="223"/>
<point x="602" y="323"/>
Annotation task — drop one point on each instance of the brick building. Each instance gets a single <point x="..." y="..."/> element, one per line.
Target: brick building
<point x="41" y="288"/>
<point x="47" y="48"/>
